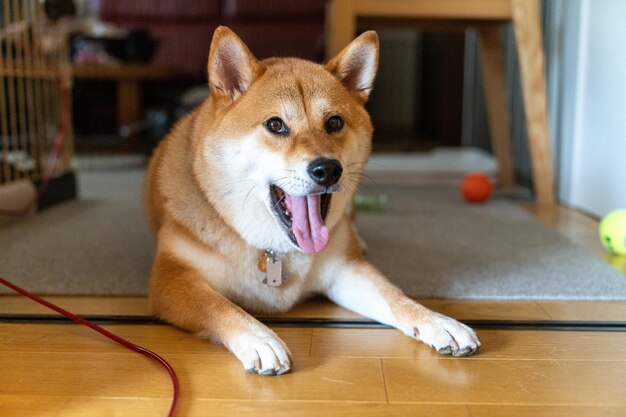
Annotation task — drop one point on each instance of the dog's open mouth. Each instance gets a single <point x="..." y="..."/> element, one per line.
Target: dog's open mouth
<point x="302" y="217"/>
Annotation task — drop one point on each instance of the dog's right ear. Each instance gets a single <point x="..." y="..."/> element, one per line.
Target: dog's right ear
<point x="231" y="67"/>
<point x="355" y="66"/>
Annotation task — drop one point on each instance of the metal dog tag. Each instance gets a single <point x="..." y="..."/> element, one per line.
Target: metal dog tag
<point x="274" y="271"/>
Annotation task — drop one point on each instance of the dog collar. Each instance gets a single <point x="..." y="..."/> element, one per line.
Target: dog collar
<point x="272" y="265"/>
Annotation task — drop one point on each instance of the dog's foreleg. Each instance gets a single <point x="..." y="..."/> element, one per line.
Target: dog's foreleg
<point x="180" y="295"/>
<point x="360" y="287"/>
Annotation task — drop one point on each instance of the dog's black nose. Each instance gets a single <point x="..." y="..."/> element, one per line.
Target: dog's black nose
<point x="325" y="171"/>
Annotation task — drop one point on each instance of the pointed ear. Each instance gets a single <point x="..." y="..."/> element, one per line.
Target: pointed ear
<point x="355" y="66"/>
<point x="231" y="67"/>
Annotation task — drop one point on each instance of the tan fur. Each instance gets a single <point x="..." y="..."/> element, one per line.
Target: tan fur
<point x="207" y="189"/>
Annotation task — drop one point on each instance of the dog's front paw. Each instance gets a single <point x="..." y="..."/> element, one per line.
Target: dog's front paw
<point x="446" y="335"/>
<point x="262" y="352"/>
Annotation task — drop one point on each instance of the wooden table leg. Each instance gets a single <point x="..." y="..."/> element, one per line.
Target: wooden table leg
<point x="526" y="24"/>
<point x="492" y="65"/>
<point x="340" y="26"/>
<point x="129" y="109"/>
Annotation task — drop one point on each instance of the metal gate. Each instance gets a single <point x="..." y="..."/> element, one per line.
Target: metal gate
<point x="35" y="82"/>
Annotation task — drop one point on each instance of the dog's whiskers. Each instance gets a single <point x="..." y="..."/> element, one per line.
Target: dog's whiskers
<point x="358" y="176"/>
<point x="347" y="186"/>
<point x="284" y="183"/>
<point x="247" y="195"/>
<point x="351" y="185"/>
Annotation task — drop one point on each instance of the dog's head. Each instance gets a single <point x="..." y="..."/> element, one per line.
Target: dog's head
<point x="283" y="154"/>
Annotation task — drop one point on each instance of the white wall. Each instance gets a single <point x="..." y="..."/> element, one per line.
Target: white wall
<point x="591" y="114"/>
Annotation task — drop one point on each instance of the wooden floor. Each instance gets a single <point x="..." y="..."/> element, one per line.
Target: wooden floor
<point x="68" y="370"/>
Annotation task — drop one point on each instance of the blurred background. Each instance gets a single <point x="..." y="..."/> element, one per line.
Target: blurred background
<point x="138" y="66"/>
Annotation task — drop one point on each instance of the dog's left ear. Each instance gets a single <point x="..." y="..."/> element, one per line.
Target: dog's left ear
<point x="356" y="65"/>
<point x="232" y="67"/>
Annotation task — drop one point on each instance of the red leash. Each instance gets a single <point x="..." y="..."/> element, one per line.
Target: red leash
<point x="121" y="341"/>
<point x="58" y="143"/>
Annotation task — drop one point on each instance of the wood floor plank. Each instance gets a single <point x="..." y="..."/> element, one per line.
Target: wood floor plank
<point x="487" y="309"/>
<point x="127" y="375"/>
<point x="585" y="310"/>
<point x="99" y="305"/>
<point x="49" y="406"/>
<point x="496" y="344"/>
<point x="82" y="375"/>
<point x="462" y="309"/>
<point x="6" y="331"/>
<point x="46" y="406"/>
<point x="160" y="338"/>
<point x="545" y="411"/>
<point x="532" y="382"/>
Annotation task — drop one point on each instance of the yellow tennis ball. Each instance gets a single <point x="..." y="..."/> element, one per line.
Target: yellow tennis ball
<point x="613" y="232"/>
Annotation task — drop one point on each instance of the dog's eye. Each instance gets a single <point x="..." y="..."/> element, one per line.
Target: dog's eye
<point x="334" y="124"/>
<point x="276" y="126"/>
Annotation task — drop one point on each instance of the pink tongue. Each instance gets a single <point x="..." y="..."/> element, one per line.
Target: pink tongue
<point x="308" y="226"/>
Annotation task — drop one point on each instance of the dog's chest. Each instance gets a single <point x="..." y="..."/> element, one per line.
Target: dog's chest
<point x="254" y="289"/>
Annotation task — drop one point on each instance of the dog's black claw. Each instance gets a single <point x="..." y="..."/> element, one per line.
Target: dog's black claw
<point x="461" y="352"/>
<point x="445" y="350"/>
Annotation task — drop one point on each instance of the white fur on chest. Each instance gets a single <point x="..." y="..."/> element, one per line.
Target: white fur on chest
<point x="237" y="277"/>
<point x="251" y="293"/>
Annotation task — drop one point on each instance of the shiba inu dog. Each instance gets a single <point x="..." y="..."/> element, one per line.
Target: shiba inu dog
<point x="250" y="196"/>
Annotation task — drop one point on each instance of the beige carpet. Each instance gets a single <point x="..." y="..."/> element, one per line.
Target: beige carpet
<point x="429" y="242"/>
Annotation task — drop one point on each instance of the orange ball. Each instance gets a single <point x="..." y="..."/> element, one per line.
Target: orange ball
<point x="476" y="188"/>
